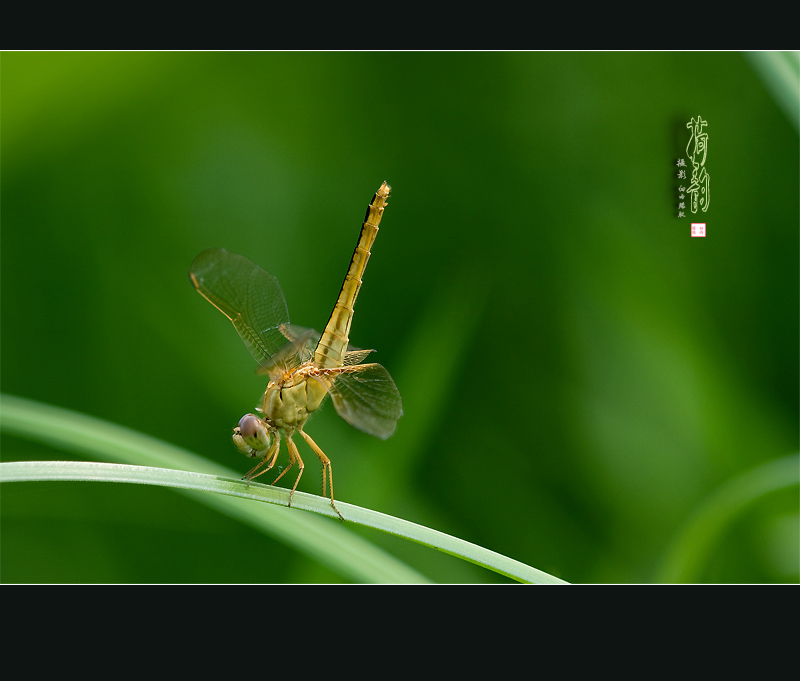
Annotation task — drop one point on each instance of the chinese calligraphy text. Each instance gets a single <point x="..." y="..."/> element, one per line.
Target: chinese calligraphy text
<point x="697" y="150"/>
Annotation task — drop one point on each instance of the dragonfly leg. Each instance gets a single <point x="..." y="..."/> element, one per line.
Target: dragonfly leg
<point x="271" y="452"/>
<point x="293" y="454"/>
<point x="291" y="461"/>
<point x="326" y="465"/>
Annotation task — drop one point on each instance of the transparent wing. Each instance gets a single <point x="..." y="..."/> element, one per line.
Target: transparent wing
<point x="367" y="398"/>
<point x="309" y="338"/>
<point x="355" y="356"/>
<point x="297" y="333"/>
<point x="247" y="295"/>
<point x="298" y="348"/>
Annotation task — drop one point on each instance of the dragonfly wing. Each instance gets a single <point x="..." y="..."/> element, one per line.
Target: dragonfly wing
<point x="368" y="399"/>
<point x="247" y="295"/>
<point x="298" y="348"/>
<point x="355" y="356"/>
<point x="301" y="334"/>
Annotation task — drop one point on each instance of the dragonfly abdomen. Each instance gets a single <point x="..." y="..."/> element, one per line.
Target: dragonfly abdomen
<point x="332" y="346"/>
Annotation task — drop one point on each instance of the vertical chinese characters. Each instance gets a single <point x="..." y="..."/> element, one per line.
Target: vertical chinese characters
<point x="697" y="150"/>
<point x="681" y="196"/>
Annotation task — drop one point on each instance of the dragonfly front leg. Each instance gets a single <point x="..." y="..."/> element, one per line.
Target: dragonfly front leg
<point x="271" y="456"/>
<point x="326" y="465"/>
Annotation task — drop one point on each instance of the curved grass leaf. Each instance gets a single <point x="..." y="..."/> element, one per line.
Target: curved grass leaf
<point x="690" y="551"/>
<point x="159" y="463"/>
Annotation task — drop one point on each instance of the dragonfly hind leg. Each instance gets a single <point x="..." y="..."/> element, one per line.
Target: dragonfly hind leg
<point x="326" y="466"/>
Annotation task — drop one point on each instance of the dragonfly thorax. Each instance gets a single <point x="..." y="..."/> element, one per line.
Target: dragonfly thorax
<point x="289" y="401"/>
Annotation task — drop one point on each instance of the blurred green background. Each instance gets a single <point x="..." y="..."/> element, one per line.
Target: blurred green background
<point x="580" y="376"/>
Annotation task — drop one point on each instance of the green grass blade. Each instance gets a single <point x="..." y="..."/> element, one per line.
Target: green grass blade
<point x="160" y="463"/>
<point x="780" y="73"/>
<point x="690" y="550"/>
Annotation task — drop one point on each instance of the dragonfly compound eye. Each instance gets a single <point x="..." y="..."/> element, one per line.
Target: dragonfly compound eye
<point x="253" y="432"/>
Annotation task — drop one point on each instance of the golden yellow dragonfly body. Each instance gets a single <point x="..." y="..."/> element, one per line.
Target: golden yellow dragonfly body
<point x="303" y="366"/>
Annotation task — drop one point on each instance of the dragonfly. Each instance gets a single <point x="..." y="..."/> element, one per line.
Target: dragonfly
<point x="303" y="366"/>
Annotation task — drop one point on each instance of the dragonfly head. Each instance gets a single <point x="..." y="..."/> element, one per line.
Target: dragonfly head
<point x="251" y="436"/>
